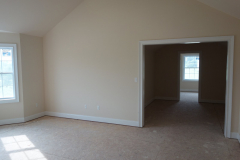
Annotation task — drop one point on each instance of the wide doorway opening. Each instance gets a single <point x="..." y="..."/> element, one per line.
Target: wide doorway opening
<point x="187" y="77"/>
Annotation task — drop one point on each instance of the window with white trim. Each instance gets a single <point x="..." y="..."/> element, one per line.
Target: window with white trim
<point x="8" y="74"/>
<point x="191" y="67"/>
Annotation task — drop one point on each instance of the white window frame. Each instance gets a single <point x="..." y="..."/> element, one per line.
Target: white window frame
<point x="183" y="65"/>
<point x="15" y="74"/>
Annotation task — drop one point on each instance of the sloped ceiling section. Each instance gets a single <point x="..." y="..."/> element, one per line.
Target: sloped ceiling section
<point x="231" y="7"/>
<point x="37" y="17"/>
<point x="33" y="17"/>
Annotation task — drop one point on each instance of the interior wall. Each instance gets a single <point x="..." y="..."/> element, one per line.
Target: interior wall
<point x="167" y="74"/>
<point x="30" y="77"/>
<point x="92" y="56"/>
<point x="149" y="87"/>
<point x="13" y="110"/>
<point x="32" y="71"/>
<point x="189" y="86"/>
<point x="213" y="61"/>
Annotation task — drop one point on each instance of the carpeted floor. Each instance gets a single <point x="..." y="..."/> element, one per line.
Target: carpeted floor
<point x="174" y="130"/>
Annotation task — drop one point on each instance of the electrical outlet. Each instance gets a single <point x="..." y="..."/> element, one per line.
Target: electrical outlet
<point x="36" y="105"/>
<point x="98" y="107"/>
<point x="85" y="106"/>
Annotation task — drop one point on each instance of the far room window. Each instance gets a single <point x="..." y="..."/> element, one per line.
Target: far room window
<point x="191" y="67"/>
<point x="8" y="74"/>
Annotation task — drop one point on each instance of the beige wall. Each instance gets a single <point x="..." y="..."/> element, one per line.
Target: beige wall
<point x="214" y="62"/>
<point x="149" y="87"/>
<point x="32" y="71"/>
<point x="167" y="73"/>
<point x="13" y="110"/>
<point x="92" y="56"/>
<point x="30" y="76"/>
<point x="213" y="69"/>
<point x="191" y="86"/>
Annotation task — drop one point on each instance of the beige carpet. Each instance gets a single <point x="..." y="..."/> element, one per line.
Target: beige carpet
<point x="174" y="130"/>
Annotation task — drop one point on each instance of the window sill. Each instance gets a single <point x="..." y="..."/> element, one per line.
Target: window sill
<point x="3" y="101"/>
<point x="190" y="80"/>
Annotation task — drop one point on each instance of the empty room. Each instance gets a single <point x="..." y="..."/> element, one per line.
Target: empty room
<point x="119" y="79"/>
<point x="184" y="89"/>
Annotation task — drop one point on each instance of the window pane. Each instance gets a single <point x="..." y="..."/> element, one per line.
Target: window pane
<point x="197" y="70"/>
<point x="191" y="61"/>
<point x="186" y="70"/>
<point x="8" y="92"/>
<point x="6" y="60"/>
<point x="187" y="76"/>
<point x="7" y="85"/>
<point x="196" y="76"/>
<point x="1" y="88"/>
<point x="191" y="70"/>
<point x="191" y="76"/>
<point x="1" y="52"/>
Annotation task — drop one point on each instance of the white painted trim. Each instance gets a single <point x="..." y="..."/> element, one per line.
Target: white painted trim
<point x="11" y="121"/>
<point x="141" y="85"/>
<point x="235" y="135"/>
<point x="149" y="102"/>
<point x="95" y="119"/>
<point x="229" y="87"/>
<point x="168" y="98"/>
<point x="179" y="75"/>
<point x="72" y="116"/>
<point x="211" y="101"/>
<point x="21" y="120"/>
<point x="229" y="81"/>
<point x="189" y="90"/>
<point x="35" y="116"/>
<point x="15" y="73"/>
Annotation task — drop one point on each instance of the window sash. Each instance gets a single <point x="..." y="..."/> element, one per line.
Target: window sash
<point x="12" y="96"/>
<point x="190" y="73"/>
<point x="2" y="85"/>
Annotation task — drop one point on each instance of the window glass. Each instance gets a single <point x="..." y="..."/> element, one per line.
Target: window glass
<point x="6" y="60"/>
<point x="6" y="73"/>
<point x="191" y="67"/>
<point x="191" y="62"/>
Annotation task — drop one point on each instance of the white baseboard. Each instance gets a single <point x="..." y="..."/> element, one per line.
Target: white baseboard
<point x="149" y="102"/>
<point x="235" y="135"/>
<point x="72" y="116"/>
<point x="211" y="101"/>
<point x="189" y="90"/>
<point x="21" y="120"/>
<point x="11" y="121"/>
<point x="35" y="116"/>
<point x="167" y="98"/>
<point x="95" y="119"/>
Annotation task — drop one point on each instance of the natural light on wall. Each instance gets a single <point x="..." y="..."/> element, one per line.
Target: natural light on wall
<point x="191" y="67"/>
<point x="21" y="148"/>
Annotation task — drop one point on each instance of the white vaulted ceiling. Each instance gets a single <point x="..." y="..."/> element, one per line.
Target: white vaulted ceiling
<point x="33" y="17"/>
<point x="37" y="17"/>
<point x="231" y="7"/>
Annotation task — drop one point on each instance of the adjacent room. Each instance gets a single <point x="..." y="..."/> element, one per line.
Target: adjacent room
<point x="185" y="88"/>
<point x="119" y="79"/>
